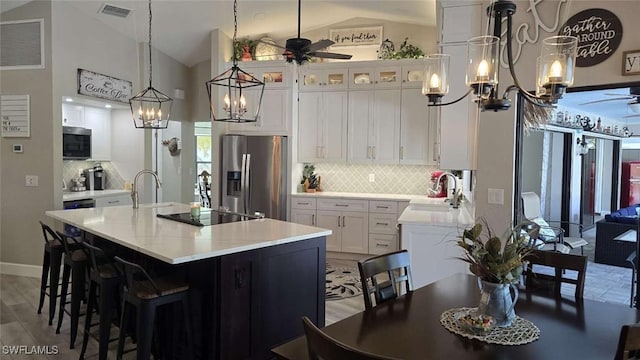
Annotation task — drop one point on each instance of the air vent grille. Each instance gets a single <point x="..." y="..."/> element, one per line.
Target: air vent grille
<point x="115" y="10"/>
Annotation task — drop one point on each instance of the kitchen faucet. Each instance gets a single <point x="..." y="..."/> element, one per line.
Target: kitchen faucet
<point x="134" y="189"/>
<point x="457" y="195"/>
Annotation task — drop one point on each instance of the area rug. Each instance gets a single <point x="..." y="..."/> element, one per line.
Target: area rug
<point x="342" y="283"/>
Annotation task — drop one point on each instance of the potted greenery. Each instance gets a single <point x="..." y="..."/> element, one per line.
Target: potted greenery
<point x="310" y="180"/>
<point x="406" y="51"/>
<point x="498" y="264"/>
<point x="244" y="49"/>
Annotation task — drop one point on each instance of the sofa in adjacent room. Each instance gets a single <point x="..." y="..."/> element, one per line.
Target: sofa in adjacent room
<point x="615" y="252"/>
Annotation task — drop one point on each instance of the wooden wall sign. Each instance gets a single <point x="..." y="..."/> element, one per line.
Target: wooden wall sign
<point x="631" y="62"/>
<point x="371" y="35"/>
<point x="599" y="34"/>
<point x="102" y="86"/>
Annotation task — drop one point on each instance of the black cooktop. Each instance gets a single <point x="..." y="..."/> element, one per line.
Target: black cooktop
<point x="208" y="217"/>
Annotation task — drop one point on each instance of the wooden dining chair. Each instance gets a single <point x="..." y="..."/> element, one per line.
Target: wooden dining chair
<point x="397" y="267"/>
<point x="558" y="261"/>
<point x="323" y="346"/>
<point x="629" y="343"/>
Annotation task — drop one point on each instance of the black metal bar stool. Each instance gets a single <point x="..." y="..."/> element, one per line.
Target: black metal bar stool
<point x="104" y="275"/>
<point x="51" y="261"/>
<point x="146" y="294"/>
<point x="75" y="262"/>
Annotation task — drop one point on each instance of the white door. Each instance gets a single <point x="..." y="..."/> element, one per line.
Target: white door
<point x="330" y="220"/>
<point x="386" y="127"/>
<point x="334" y="148"/>
<point x="355" y="232"/>
<point x="310" y="126"/>
<point x="303" y="216"/>
<point x="360" y="118"/>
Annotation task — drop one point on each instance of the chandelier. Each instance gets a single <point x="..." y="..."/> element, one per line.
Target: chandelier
<point x="150" y="108"/>
<point x="555" y="67"/>
<point x="233" y="83"/>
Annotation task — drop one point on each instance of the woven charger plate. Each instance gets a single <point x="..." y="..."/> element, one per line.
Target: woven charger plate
<point x="520" y="332"/>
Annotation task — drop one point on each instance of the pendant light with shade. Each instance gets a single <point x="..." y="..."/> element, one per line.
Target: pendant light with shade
<point x="234" y="83"/>
<point x="150" y="108"/>
<point x="555" y="67"/>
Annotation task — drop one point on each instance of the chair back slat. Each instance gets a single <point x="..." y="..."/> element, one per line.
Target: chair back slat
<point x="69" y="243"/>
<point x="48" y="234"/>
<point x="322" y="346"/>
<point x="560" y="262"/>
<point x="629" y="342"/>
<point x="97" y="256"/>
<point x="133" y="271"/>
<point x="397" y="267"/>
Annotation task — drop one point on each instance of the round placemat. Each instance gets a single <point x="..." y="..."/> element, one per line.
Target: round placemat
<point x="520" y="332"/>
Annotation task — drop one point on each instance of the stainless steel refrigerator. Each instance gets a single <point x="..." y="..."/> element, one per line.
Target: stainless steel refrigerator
<point x="255" y="175"/>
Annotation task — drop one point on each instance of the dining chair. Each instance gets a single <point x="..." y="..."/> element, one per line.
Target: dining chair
<point x="560" y="262"/>
<point x="629" y="343"/>
<point x="553" y="237"/>
<point x="397" y="267"/>
<point x="323" y="346"/>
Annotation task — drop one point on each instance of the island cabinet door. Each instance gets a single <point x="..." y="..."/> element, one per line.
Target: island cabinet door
<point x="331" y="220"/>
<point x="238" y="313"/>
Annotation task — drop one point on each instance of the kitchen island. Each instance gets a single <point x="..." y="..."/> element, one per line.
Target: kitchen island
<point x="250" y="281"/>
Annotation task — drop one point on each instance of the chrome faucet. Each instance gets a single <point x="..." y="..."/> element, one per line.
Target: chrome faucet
<point x="134" y="189"/>
<point x="456" y="194"/>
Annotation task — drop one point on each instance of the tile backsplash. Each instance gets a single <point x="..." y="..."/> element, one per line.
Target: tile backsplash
<point x="71" y="168"/>
<point x="389" y="179"/>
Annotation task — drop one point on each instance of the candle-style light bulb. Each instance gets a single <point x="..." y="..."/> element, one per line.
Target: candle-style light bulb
<point x="140" y="113"/>
<point x="159" y="114"/>
<point x="227" y="101"/>
<point x="434" y="82"/>
<point x="556" y="69"/>
<point x="243" y="102"/>
<point x="483" y="69"/>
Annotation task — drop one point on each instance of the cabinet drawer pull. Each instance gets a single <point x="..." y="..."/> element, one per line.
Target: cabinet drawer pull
<point x="385" y="224"/>
<point x="382" y="207"/>
<point x="113" y="201"/>
<point x="384" y="245"/>
<point x="342" y="205"/>
<point x="303" y="203"/>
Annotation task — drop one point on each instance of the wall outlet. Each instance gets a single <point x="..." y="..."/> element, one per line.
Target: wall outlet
<point x="372" y="177"/>
<point x="496" y="196"/>
<point x="31" y="180"/>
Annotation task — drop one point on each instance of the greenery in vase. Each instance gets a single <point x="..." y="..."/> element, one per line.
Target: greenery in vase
<point x="239" y="47"/>
<point x="406" y="51"/>
<point x="308" y="173"/>
<point x="489" y="259"/>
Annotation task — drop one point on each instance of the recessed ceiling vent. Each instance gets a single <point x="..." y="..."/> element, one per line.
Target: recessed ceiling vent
<point x="114" y="10"/>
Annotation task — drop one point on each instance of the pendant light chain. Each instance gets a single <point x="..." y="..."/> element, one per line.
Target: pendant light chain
<point x="150" y="65"/>
<point x="235" y="31"/>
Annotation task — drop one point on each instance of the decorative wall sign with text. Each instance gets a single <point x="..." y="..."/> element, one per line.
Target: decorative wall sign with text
<point x="631" y="62"/>
<point x="102" y="86"/>
<point x="599" y="34"/>
<point x="15" y="115"/>
<point x="356" y="36"/>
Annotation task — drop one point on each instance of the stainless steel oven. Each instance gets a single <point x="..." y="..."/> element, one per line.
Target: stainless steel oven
<point x="76" y="143"/>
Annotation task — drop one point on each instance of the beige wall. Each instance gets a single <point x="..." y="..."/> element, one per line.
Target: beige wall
<point x="22" y="207"/>
<point x="496" y="158"/>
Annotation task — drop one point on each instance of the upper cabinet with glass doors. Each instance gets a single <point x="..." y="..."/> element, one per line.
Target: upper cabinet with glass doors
<point x="322" y="77"/>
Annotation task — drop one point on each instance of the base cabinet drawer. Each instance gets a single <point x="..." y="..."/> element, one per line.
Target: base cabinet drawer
<point x="303" y="203"/>
<point x="343" y="204"/>
<point x="382" y="244"/>
<point x="117" y="200"/>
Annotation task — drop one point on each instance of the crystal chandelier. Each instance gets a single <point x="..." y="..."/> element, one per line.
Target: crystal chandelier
<point x="555" y="67"/>
<point x="150" y="108"/>
<point x="233" y="83"/>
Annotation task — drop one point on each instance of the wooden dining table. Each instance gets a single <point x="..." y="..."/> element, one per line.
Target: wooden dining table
<point x="409" y="327"/>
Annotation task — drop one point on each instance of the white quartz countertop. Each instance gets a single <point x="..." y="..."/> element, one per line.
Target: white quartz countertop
<point x="413" y="214"/>
<point x="365" y="196"/>
<point x="91" y="194"/>
<point x="174" y="242"/>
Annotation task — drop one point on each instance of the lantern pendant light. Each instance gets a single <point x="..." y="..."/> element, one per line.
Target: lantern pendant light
<point x="150" y="108"/>
<point x="233" y="85"/>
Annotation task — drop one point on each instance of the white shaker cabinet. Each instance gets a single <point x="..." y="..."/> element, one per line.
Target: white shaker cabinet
<point x="114" y="200"/>
<point x="460" y="120"/>
<point x="350" y="230"/>
<point x="418" y="130"/>
<point x="99" y="121"/>
<point x="322" y="126"/>
<point x="374" y="126"/>
<point x="275" y="112"/>
<point x="72" y="115"/>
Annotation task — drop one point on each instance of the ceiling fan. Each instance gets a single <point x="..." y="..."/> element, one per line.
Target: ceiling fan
<point x="301" y="50"/>
<point x="634" y="96"/>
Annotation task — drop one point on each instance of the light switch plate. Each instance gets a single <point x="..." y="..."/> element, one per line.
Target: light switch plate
<point x="372" y="177"/>
<point x="31" y="180"/>
<point x="496" y="196"/>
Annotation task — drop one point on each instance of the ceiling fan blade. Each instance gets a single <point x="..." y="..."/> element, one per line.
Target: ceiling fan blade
<point x="630" y="116"/>
<point x="605" y="100"/>
<point x="613" y="94"/>
<point x="328" y="55"/>
<point x="271" y="44"/>
<point x="320" y="45"/>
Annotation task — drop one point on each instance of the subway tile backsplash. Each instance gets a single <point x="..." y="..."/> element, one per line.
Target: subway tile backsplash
<point x="389" y="179"/>
<point x="71" y="169"/>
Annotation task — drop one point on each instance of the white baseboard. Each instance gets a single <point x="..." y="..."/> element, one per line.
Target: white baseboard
<point x="20" y="269"/>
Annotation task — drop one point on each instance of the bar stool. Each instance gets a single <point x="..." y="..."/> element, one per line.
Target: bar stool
<point x="146" y="295"/>
<point x="75" y="262"/>
<point x="105" y="275"/>
<point x="50" y="269"/>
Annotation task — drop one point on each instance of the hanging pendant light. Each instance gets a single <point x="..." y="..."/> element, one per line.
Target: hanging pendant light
<point x="150" y="108"/>
<point x="555" y="66"/>
<point x="233" y="84"/>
